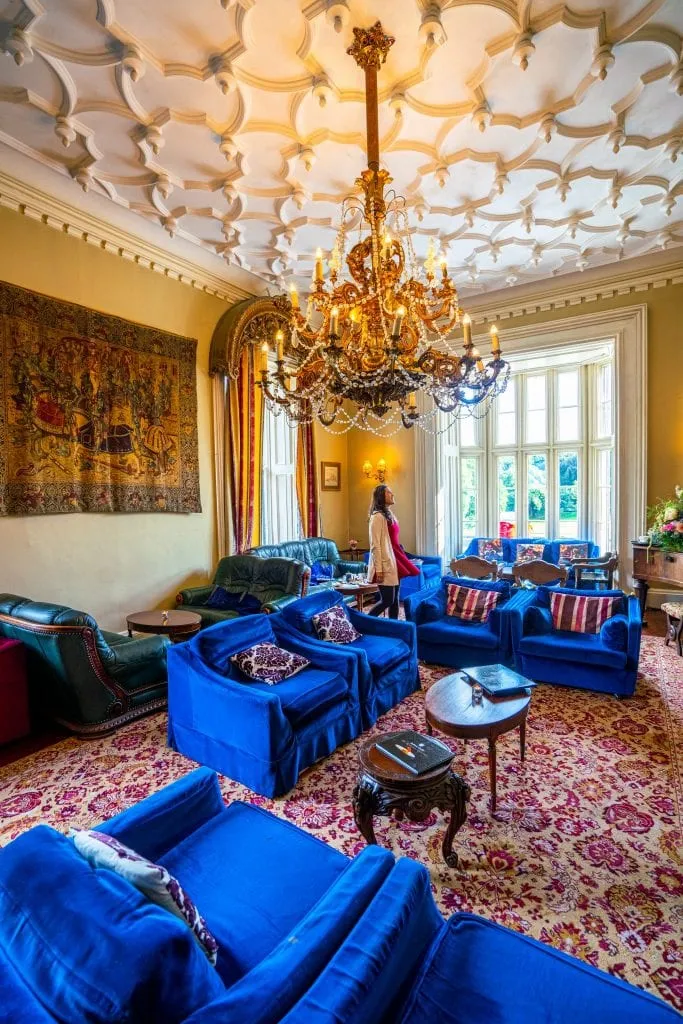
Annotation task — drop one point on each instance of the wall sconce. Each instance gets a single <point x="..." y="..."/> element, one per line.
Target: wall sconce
<point x="380" y="472"/>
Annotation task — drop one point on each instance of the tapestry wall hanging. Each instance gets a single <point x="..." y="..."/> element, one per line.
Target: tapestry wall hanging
<point x="97" y="414"/>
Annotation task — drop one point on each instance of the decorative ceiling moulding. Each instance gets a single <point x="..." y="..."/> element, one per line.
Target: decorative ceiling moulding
<point x="633" y="278"/>
<point x="36" y="205"/>
<point x="530" y="138"/>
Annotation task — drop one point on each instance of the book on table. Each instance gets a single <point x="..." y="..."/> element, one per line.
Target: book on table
<point x="415" y="752"/>
<point x="499" y="681"/>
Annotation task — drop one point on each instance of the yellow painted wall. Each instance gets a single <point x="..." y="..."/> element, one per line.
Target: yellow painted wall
<point x="399" y="454"/>
<point x="334" y="505"/>
<point x="108" y="564"/>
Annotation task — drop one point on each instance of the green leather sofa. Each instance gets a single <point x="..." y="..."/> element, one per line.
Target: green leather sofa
<point x="89" y="680"/>
<point x="308" y="551"/>
<point x="274" y="581"/>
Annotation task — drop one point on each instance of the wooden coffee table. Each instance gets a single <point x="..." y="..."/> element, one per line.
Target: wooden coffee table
<point x="386" y="787"/>
<point x="178" y="625"/>
<point x="358" y="590"/>
<point x="449" y="708"/>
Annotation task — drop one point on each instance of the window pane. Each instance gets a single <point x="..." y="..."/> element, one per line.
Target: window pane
<point x="604" y="499"/>
<point x="605" y="426"/>
<point x="506" y="424"/>
<point x="469" y="490"/>
<point x="537" y="495"/>
<point x="568" y="492"/>
<point x="506" y="477"/>
<point x="468" y="432"/>
<point x="568" y="405"/>
<point x="535" y="408"/>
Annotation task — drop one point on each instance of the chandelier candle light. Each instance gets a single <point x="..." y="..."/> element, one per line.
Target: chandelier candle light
<point x="364" y="347"/>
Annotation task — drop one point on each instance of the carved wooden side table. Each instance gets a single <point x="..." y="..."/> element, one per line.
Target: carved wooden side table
<point x="385" y="787"/>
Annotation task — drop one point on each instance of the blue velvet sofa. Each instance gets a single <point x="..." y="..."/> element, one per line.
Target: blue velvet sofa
<point x="386" y="652"/>
<point x="551" y="548"/>
<point x="606" y="661"/>
<point x="429" y="575"/>
<point x="446" y="640"/>
<point x="260" y="735"/>
<point x="305" y="935"/>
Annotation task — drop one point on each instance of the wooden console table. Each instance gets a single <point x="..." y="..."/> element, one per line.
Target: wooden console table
<point x="654" y="565"/>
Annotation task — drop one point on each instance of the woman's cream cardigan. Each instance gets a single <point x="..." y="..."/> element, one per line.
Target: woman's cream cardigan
<point x="381" y="552"/>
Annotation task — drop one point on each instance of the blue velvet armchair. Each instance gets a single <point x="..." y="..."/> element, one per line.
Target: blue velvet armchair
<point x="606" y="661"/>
<point x="386" y="652"/>
<point x="304" y="934"/>
<point x="509" y="546"/>
<point x="257" y="734"/>
<point x="446" y="640"/>
<point x="430" y="567"/>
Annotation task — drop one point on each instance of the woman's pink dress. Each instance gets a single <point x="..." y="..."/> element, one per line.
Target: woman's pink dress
<point x="403" y="564"/>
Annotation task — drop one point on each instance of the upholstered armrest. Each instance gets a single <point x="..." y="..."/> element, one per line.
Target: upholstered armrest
<point x="354" y="567"/>
<point x="538" y="620"/>
<point x="194" y="595"/>
<point x="158" y="823"/>
<point x="426" y="609"/>
<point x="614" y="633"/>
<point x="427" y="559"/>
<point x="383" y="627"/>
<point x="139" y="663"/>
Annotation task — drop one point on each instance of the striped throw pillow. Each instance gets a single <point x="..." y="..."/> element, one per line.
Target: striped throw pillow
<point x="581" y="614"/>
<point x="470" y="604"/>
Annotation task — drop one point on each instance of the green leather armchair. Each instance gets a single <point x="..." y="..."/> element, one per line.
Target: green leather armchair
<point x="273" y="581"/>
<point x="311" y="550"/>
<point x="89" y="680"/>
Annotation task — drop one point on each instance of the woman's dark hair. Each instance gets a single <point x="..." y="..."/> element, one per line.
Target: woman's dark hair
<point x="379" y="503"/>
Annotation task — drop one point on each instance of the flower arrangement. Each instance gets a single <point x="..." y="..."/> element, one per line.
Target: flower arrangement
<point x="666" y="522"/>
<point x="353" y="544"/>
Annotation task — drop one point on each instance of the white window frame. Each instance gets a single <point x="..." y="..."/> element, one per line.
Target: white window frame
<point x="280" y="514"/>
<point x="627" y="329"/>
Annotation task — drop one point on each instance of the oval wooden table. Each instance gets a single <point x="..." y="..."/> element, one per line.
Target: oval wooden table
<point x="178" y="624"/>
<point x="358" y="590"/>
<point x="386" y="787"/>
<point x="449" y="708"/>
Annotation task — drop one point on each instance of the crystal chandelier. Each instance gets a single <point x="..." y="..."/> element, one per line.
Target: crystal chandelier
<point x="367" y="345"/>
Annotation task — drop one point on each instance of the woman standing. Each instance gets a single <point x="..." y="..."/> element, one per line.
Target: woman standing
<point x="388" y="562"/>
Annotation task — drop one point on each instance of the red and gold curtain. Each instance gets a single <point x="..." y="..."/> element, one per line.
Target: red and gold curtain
<point x="306" y="480"/>
<point x="245" y="437"/>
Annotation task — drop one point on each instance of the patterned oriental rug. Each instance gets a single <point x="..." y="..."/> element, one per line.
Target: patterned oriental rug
<point x="585" y="851"/>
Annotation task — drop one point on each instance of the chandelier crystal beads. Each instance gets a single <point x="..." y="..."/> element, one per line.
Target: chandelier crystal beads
<point x="366" y="345"/>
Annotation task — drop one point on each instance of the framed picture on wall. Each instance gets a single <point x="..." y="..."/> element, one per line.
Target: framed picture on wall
<point x="330" y="476"/>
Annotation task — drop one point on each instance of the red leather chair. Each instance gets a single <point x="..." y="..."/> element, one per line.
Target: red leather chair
<point x="14" y="719"/>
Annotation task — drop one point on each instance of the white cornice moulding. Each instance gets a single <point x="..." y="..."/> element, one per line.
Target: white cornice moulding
<point x="38" y="205"/>
<point x="643" y="274"/>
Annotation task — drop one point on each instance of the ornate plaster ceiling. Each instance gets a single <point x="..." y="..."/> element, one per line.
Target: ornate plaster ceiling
<point x="529" y="137"/>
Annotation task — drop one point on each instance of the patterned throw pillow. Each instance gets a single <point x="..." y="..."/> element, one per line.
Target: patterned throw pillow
<point x="568" y="552"/>
<point x="491" y="549"/>
<point x="153" y="880"/>
<point x="469" y="603"/>
<point x="269" y="663"/>
<point x="335" y="626"/>
<point x="527" y="552"/>
<point x="581" y="614"/>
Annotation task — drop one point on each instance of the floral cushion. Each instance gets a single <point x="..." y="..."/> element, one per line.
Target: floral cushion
<point x="269" y="663"/>
<point x="568" y="552"/>
<point x="153" y="880"/>
<point x="335" y="626"/>
<point x="528" y="552"/>
<point x="581" y="614"/>
<point x="469" y="603"/>
<point x="490" y="548"/>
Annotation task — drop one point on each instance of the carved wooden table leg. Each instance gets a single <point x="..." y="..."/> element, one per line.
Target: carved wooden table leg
<point x="448" y="792"/>
<point x="365" y="805"/>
